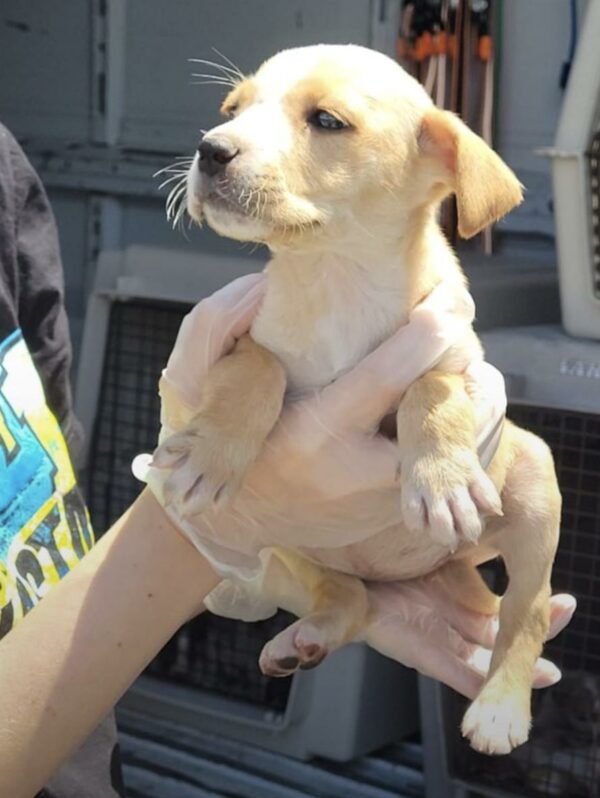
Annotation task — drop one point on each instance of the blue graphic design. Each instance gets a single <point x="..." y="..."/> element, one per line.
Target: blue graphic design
<point x="26" y="469"/>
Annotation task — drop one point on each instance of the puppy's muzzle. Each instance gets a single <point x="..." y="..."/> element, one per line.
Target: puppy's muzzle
<point x="214" y="155"/>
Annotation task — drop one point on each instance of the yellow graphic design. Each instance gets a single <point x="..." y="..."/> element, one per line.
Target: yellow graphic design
<point x="44" y="525"/>
<point x="6" y="437"/>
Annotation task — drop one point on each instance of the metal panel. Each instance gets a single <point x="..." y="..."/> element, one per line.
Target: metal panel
<point x="71" y="212"/>
<point x="162" y="110"/>
<point x="144" y="222"/>
<point x="45" y="68"/>
<point x="156" y="748"/>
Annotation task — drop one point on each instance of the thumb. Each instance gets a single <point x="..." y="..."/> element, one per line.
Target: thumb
<point x="210" y="331"/>
<point x="363" y="396"/>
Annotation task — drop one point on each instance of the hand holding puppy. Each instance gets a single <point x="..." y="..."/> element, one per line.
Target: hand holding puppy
<point x="325" y="478"/>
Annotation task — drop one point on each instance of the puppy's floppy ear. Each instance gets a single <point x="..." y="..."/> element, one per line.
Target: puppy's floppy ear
<point x="486" y="189"/>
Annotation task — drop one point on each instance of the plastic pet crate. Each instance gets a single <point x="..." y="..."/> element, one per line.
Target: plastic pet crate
<point x="559" y="401"/>
<point x="576" y="177"/>
<point x="207" y="676"/>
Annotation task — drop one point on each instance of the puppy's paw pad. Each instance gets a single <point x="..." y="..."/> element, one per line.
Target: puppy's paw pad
<point x="310" y="643"/>
<point x="274" y="660"/>
<point x="278" y="668"/>
<point x="301" y="646"/>
<point x="496" y="726"/>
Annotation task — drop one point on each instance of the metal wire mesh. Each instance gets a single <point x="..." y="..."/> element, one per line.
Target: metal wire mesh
<point x="212" y="653"/>
<point x="562" y="757"/>
<point x="594" y="177"/>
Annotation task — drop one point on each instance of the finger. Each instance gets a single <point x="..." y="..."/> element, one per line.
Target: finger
<point x="430" y="646"/>
<point x="562" y="607"/>
<point x="243" y="311"/>
<point x="363" y="396"/>
<point x="473" y="627"/>
<point x="545" y="673"/>
<point x="485" y="385"/>
<point x="420" y="636"/>
<point x="209" y="331"/>
<point x="476" y="627"/>
<point x="230" y="295"/>
<point x="486" y="388"/>
<point x="448" y="299"/>
<point x="232" y="304"/>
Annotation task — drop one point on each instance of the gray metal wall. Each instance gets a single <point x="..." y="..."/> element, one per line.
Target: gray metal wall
<point x="99" y="92"/>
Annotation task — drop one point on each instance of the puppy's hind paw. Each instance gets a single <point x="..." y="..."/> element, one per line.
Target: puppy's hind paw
<point x="496" y="726"/>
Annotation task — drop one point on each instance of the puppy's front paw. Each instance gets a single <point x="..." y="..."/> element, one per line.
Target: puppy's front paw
<point x="496" y="725"/>
<point x="447" y="495"/>
<point x="207" y="466"/>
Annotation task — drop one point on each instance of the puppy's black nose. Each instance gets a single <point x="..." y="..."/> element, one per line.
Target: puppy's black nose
<point x="215" y="154"/>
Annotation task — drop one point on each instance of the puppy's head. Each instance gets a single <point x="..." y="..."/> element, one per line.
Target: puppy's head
<point x="325" y="141"/>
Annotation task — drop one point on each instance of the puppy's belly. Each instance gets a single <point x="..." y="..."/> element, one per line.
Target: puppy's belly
<point x="387" y="556"/>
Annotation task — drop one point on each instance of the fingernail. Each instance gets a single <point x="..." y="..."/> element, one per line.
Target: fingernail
<point x="553" y="673"/>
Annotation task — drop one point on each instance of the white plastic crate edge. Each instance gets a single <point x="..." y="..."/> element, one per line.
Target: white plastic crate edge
<point x="581" y="309"/>
<point x="140" y="272"/>
<point x="354" y="702"/>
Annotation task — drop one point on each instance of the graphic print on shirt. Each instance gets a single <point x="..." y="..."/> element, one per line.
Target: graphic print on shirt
<point x="44" y="526"/>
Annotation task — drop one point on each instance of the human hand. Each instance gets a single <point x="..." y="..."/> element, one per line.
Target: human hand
<point x="420" y="624"/>
<point x="324" y="477"/>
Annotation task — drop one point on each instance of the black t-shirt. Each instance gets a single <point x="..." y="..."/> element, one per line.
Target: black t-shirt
<point x="44" y="526"/>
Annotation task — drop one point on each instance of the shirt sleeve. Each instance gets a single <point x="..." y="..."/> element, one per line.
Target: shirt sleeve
<point x="41" y="310"/>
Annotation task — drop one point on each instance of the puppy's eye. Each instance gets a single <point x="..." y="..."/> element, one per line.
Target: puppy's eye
<point x="326" y="121"/>
<point x="231" y="110"/>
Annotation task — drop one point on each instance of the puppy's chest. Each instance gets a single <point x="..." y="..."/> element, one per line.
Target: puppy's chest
<point x="320" y="329"/>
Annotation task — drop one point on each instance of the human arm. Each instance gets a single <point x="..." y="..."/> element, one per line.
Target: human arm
<point x="72" y="657"/>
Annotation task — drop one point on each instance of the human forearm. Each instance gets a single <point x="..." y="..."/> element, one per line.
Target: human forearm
<point x="73" y="656"/>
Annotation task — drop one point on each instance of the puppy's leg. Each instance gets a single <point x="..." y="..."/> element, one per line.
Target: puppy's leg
<point x="240" y="403"/>
<point x="332" y="608"/>
<point x="444" y="487"/>
<point x="465" y="585"/>
<point x="499" y="718"/>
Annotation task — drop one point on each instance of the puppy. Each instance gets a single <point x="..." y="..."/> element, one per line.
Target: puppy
<point x="337" y="160"/>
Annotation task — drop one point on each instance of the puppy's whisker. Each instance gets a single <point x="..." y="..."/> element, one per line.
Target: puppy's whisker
<point x="225" y="70"/>
<point x="235" y="67"/>
<point x="176" y="205"/>
<point x="171" y="179"/>
<point x="211" y="83"/>
<point x="172" y="199"/>
<point x="217" y="78"/>
<point x="166" y="182"/>
<point x="177" y="165"/>
<point x="178" y="223"/>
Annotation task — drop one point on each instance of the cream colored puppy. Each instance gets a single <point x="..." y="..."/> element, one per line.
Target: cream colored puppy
<point x="337" y="160"/>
